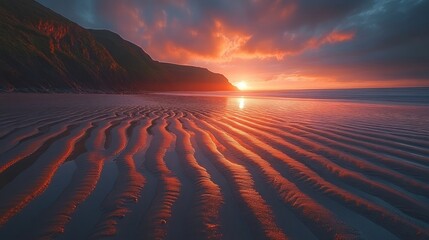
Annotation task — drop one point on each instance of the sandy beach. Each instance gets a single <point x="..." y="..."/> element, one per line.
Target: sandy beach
<point x="194" y="167"/>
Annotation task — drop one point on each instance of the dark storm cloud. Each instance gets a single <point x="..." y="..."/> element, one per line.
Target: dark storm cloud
<point x="385" y="39"/>
<point x="392" y="42"/>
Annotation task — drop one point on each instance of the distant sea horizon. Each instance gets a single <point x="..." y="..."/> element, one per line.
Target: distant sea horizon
<point x="399" y="95"/>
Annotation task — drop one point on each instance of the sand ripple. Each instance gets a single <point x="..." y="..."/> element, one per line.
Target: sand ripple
<point x="182" y="171"/>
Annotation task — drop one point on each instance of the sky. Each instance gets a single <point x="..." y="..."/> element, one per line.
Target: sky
<point x="274" y="44"/>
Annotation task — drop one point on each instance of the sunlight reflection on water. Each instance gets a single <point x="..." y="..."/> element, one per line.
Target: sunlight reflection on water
<point x="241" y="102"/>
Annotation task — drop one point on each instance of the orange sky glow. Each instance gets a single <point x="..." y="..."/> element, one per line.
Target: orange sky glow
<point x="275" y="44"/>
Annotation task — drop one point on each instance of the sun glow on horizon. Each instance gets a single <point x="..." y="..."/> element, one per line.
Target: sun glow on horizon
<point x="241" y="85"/>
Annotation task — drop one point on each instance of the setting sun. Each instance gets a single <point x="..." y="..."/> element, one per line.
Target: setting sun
<point x="241" y="85"/>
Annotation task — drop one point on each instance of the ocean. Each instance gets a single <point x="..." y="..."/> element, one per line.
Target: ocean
<point x="415" y="95"/>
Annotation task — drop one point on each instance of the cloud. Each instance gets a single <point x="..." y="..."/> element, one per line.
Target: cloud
<point x="217" y="30"/>
<point x="390" y="43"/>
<point x="340" y="40"/>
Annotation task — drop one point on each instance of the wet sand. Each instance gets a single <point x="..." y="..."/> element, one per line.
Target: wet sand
<point x="194" y="167"/>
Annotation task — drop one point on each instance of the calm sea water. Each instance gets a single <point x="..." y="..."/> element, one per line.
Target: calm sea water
<point x="418" y="95"/>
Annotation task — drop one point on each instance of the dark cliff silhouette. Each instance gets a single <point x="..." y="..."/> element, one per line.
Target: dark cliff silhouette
<point x="41" y="51"/>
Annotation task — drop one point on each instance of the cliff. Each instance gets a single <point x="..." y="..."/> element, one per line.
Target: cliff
<point x="41" y="51"/>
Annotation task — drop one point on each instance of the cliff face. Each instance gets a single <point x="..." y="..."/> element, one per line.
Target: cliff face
<point x="41" y="51"/>
<point x="148" y="74"/>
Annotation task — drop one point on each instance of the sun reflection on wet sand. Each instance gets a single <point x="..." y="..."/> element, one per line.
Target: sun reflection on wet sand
<point x="241" y="102"/>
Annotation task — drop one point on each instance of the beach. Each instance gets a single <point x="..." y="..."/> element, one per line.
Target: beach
<point x="160" y="166"/>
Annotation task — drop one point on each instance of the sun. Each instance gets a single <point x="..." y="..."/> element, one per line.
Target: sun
<point x="241" y="85"/>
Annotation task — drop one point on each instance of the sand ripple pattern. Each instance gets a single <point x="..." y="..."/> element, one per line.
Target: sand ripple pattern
<point x="165" y="172"/>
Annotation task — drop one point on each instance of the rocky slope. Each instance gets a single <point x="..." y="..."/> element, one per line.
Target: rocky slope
<point x="41" y="51"/>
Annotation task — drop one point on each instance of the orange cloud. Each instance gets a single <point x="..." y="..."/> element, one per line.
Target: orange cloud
<point x="217" y="38"/>
<point x="336" y="36"/>
<point x="330" y="38"/>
